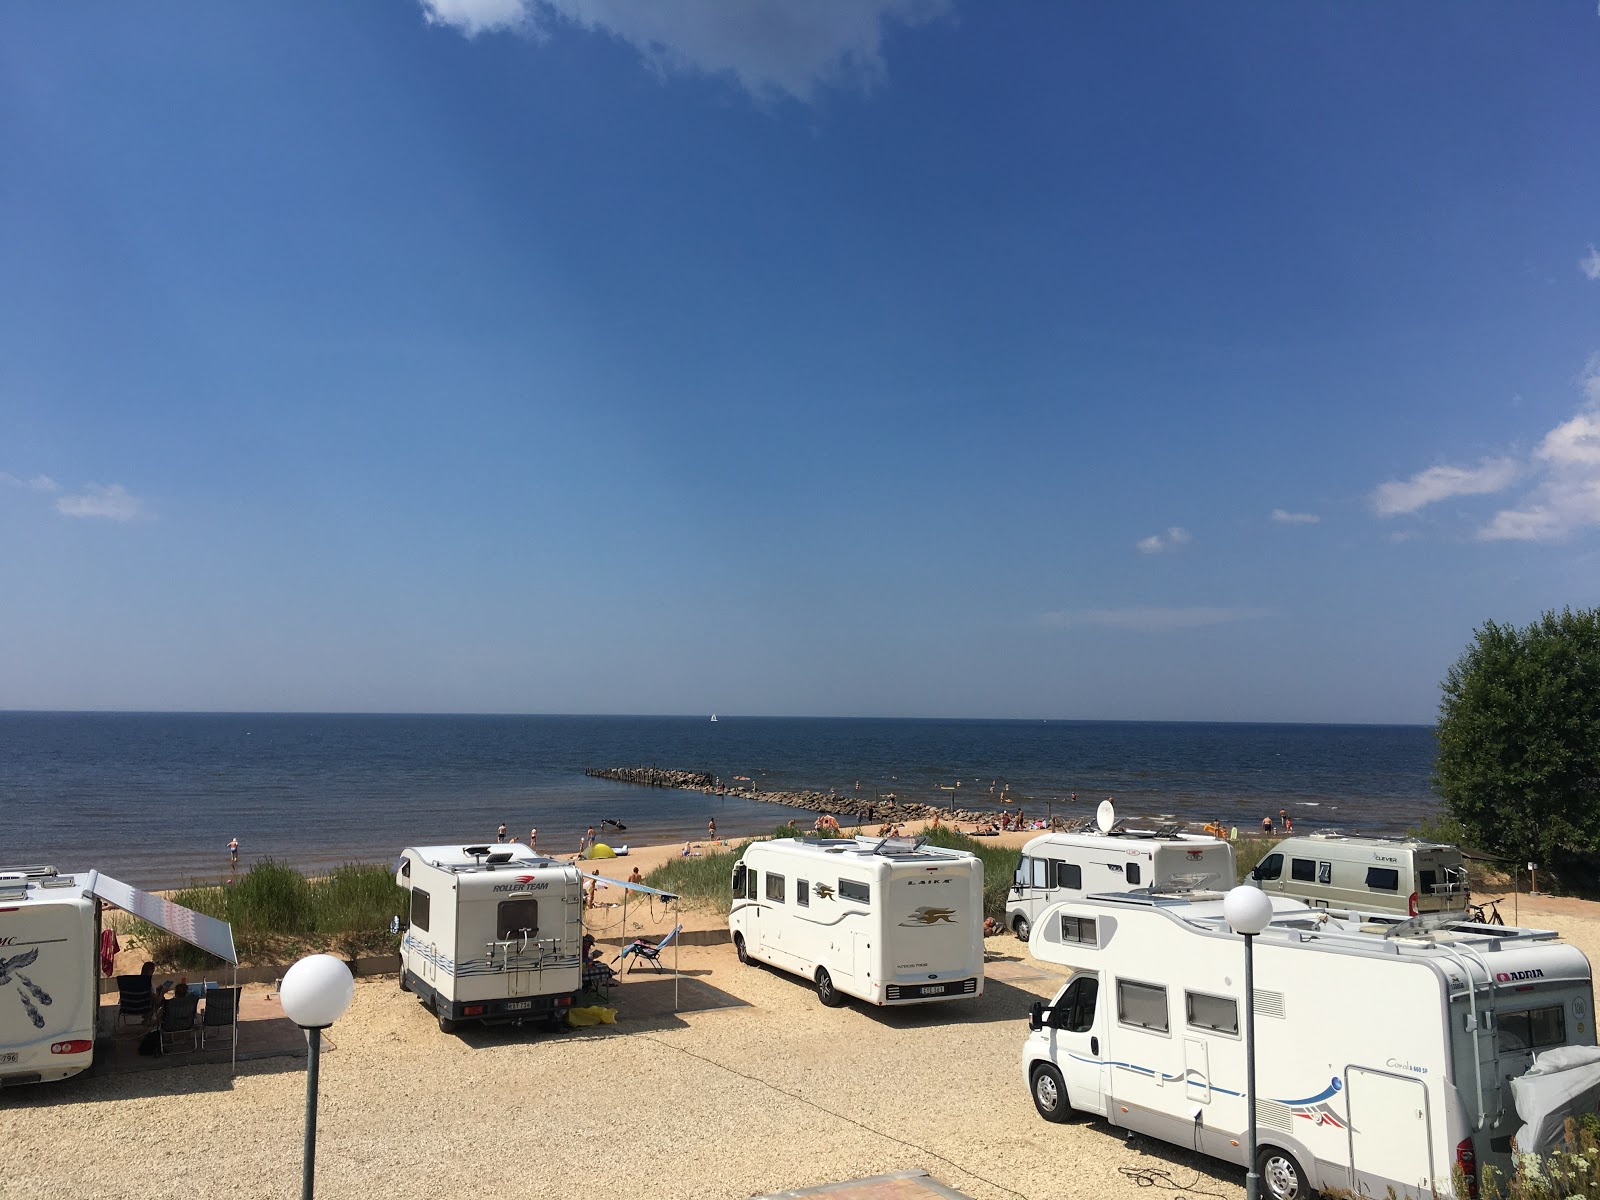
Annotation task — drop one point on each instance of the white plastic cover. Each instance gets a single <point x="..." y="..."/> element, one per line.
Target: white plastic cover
<point x="1561" y="1083"/>
<point x="208" y="933"/>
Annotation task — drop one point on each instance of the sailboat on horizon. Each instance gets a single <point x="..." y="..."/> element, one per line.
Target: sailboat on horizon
<point x="713" y="718"/>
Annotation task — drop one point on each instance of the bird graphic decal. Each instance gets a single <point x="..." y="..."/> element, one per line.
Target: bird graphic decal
<point x="12" y="967"/>
<point x="822" y="892"/>
<point x="930" y="916"/>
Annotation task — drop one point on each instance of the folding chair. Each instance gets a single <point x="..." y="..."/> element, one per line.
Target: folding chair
<point x="649" y="952"/>
<point x="221" y="1012"/>
<point x="178" y="1018"/>
<point x="134" y="997"/>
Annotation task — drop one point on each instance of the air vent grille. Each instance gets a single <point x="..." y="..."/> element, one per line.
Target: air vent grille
<point x="1269" y="1004"/>
<point x="1274" y="1115"/>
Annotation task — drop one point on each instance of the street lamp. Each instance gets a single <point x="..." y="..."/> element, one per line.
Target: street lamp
<point x="314" y="993"/>
<point x="1247" y="912"/>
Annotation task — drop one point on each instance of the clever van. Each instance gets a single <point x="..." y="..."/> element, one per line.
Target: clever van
<point x="1404" y="876"/>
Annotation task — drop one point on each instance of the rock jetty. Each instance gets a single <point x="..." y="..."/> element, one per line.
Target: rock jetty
<point x="883" y="808"/>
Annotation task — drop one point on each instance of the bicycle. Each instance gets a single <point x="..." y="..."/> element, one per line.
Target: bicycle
<point x="1486" y="913"/>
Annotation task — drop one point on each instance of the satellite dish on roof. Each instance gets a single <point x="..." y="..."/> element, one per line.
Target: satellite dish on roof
<point x="1105" y="816"/>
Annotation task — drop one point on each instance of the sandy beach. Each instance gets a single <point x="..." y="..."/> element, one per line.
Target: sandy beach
<point x="765" y="1092"/>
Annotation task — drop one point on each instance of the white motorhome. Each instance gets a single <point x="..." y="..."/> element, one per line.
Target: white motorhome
<point x="495" y="933"/>
<point x="1071" y="865"/>
<point x="888" y="920"/>
<point x="1385" y="1054"/>
<point x="49" y="975"/>
<point x="1404" y="876"/>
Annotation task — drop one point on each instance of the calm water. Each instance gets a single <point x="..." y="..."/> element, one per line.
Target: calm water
<point x="154" y="798"/>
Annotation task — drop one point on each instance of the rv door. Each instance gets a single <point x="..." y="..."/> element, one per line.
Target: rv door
<point x="1077" y="1043"/>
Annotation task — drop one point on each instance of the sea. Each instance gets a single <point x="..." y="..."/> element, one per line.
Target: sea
<point x="153" y="798"/>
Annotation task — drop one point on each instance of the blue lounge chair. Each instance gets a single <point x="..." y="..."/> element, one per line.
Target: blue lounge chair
<point x="636" y="951"/>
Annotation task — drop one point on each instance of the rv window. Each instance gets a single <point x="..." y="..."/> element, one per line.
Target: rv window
<point x="1211" y="1012"/>
<point x="1142" y="1004"/>
<point x="738" y="880"/>
<point x="1383" y="879"/>
<point x="1133" y="873"/>
<point x="850" y="890"/>
<point x="1324" y="872"/>
<point x="419" y="909"/>
<point x="1075" y="1013"/>
<point x="1427" y="882"/>
<point x="1033" y="872"/>
<point x="751" y="879"/>
<point x="1080" y="930"/>
<point x="1304" y="869"/>
<point x="775" y="887"/>
<point x="1069" y="875"/>
<point x="802" y="893"/>
<point x="517" y="918"/>
<point x="405" y="868"/>
<point x="1532" y="1030"/>
<point x="1270" y="867"/>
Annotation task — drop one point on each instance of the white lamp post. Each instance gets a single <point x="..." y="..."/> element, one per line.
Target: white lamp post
<point x="315" y="993"/>
<point x="1247" y="912"/>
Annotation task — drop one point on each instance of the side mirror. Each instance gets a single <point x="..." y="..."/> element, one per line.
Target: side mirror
<point x="1036" y="1015"/>
<point x="1255" y="873"/>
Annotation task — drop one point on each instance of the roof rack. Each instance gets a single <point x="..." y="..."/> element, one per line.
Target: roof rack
<point x="32" y="872"/>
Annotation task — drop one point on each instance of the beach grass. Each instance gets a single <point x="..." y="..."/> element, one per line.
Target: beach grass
<point x="999" y="865"/>
<point x="277" y="912"/>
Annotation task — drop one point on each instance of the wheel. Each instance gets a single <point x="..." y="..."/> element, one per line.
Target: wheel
<point x="1050" y="1094"/>
<point x="556" y="1021"/>
<point x="405" y="984"/>
<point x="1021" y="928"/>
<point x="446" y="1025"/>
<point x="738" y="944"/>
<point x="826" y="992"/>
<point x="1282" y="1176"/>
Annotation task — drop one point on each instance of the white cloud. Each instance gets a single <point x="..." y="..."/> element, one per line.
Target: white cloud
<point x="1567" y="496"/>
<point x="1589" y="264"/>
<point x="39" y="483"/>
<point x="1284" y="517"/>
<point x="1158" y="543"/>
<point x="1441" y="483"/>
<point x="113" y="503"/>
<point x="772" y="47"/>
<point x="1140" y="619"/>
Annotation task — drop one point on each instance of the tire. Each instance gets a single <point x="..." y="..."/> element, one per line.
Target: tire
<point x="826" y="992"/>
<point x="1049" y="1092"/>
<point x="744" y="954"/>
<point x="1282" y="1176"/>
<point x="1022" y="928"/>
<point x="405" y="984"/>
<point x="446" y="1025"/>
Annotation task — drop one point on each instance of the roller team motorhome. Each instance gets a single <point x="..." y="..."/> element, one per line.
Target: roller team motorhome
<point x="495" y="933"/>
<point x="890" y="921"/>
<point x="1386" y="1055"/>
<point x="1069" y="866"/>
<point x="1404" y="876"/>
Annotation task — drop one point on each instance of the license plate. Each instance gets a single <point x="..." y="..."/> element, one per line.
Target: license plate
<point x="519" y="1005"/>
<point x="10" y="1056"/>
<point x="936" y="990"/>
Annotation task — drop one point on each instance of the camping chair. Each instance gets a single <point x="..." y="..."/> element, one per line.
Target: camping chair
<point x="650" y="952"/>
<point x="221" y="1012"/>
<point x="134" y="997"/>
<point x="598" y="978"/>
<point x="177" y="1019"/>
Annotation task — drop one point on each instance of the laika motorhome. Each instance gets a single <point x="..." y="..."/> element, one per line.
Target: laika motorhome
<point x="889" y="921"/>
<point x="1365" y="874"/>
<point x="495" y="933"/>
<point x="49" y="980"/>
<point x="1071" y="865"/>
<point x="1385" y="1055"/>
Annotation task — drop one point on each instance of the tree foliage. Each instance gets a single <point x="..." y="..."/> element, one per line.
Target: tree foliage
<point x="1519" y="738"/>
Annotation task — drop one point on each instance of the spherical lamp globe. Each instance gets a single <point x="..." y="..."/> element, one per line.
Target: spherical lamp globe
<point x="1246" y="910"/>
<point x="316" y="991"/>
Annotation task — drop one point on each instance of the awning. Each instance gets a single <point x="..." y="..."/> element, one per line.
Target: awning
<point x="208" y="933"/>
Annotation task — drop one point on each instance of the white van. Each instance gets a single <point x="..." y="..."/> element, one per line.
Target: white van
<point x="1069" y="866"/>
<point x="1403" y="876"/>
<point x="889" y="921"/>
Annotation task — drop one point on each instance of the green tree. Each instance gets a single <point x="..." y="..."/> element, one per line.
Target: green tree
<point x="1519" y="738"/>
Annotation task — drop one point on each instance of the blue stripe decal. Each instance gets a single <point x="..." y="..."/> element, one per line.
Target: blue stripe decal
<point x="1333" y="1088"/>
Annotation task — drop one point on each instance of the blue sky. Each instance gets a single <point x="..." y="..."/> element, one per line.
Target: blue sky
<point x="901" y="357"/>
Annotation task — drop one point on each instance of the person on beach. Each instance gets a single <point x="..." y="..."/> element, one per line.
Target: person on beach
<point x="634" y="876"/>
<point x="589" y="838"/>
<point x="533" y="838"/>
<point x="1288" y="824"/>
<point x="711" y="829"/>
<point x="501" y="835"/>
<point x="233" y="852"/>
<point x="1266" y="825"/>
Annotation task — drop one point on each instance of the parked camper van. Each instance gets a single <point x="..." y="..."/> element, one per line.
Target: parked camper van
<point x="495" y="933"/>
<point x="1362" y="874"/>
<point x="49" y="979"/>
<point x="1386" y="1056"/>
<point x="890" y="921"/>
<point x="1069" y="866"/>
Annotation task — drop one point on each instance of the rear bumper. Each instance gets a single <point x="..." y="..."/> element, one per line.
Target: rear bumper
<point x="495" y="1011"/>
<point x="897" y="994"/>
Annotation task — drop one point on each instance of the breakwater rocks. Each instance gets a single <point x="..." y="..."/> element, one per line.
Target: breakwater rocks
<point x="883" y="808"/>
